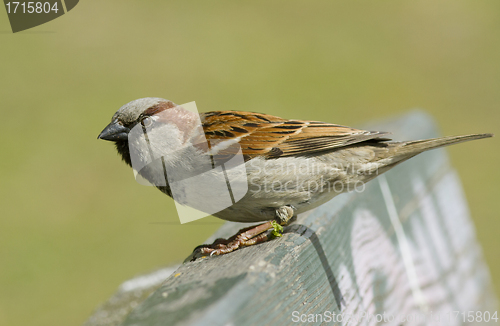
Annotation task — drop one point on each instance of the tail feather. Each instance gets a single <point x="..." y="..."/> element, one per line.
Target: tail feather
<point x="418" y="146"/>
<point x="398" y="152"/>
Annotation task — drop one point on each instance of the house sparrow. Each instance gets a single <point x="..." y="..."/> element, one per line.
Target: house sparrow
<point x="291" y="165"/>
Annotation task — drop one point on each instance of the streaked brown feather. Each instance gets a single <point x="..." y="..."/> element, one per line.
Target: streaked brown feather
<point x="271" y="137"/>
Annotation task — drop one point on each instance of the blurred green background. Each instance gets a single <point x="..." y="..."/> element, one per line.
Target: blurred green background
<point x="74" y="222"/>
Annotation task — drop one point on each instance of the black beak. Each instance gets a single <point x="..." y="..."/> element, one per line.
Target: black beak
<point x="114" y="131"/>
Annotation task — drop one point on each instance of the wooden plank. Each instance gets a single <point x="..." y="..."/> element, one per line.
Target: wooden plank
<point x="403" y="247"/>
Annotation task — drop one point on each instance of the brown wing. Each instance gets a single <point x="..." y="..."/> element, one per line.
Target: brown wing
<point x="271" y="137"/>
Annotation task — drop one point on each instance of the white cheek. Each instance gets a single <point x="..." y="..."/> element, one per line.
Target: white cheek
<point x="157" y="140"/>
<point x="164" y="139"/>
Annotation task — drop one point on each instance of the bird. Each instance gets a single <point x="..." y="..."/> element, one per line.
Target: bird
<point x="289" y="166"/>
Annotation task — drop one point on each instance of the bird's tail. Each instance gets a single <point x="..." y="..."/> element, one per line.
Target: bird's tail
<point x="398" y="152"/>
<point x="418" y="146"/>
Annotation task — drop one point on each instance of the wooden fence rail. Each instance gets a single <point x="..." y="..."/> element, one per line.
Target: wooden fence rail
<point x="401" y="252"/>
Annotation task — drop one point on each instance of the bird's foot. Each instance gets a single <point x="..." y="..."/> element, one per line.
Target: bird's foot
<point x="249" y="236"/>
<point x="245" y="237"/>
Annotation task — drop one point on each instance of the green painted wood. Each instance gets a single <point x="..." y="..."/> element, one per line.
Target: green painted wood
<point x="405" y="246"/>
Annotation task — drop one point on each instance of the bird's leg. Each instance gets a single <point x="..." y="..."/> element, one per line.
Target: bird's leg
<point x="284" y="214"/>
<point x="251" y="235"/>
<point x="244" y="237"/>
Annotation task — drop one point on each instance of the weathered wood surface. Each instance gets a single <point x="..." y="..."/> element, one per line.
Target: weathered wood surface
<point x="405" y="246"/>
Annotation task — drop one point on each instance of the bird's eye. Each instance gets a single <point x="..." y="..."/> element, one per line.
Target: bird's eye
<point x="146" y="121"/>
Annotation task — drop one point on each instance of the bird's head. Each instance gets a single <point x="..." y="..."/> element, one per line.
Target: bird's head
<point x="168" y="126"/>
<point x="132" y="113"/>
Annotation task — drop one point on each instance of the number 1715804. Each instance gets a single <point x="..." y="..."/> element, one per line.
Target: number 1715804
<point x="472" y="316"/>
<point x="31" y="7"/>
